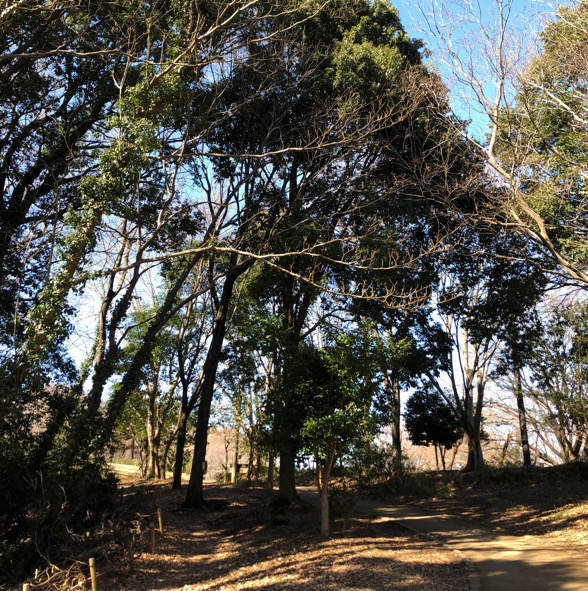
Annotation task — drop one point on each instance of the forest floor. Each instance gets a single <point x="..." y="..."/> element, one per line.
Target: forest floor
<point x="549" y="503"/>
<point x="498" y="530"/>
<point x="232" y="545"/>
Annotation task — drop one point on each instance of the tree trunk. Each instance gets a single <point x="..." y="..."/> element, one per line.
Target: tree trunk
<point x="180" y="446"/>
<point x="325" y="477"/>
<point x="235" y="465"/>
<point x="157" y="462"/>
<point x="393" y="395"/>
<point x="270" y="471"/>
<point x="522" y="418"/>
<point x="287" y="490"/>
<point x="195" y="492"/>
<point x="505" y="450"/>
<point x="436" y="457"/>
<point x="324" y="492"/>
<point x="454" y="453"/>
<point x="151" y="459"/>
<point x="396" y="434"/>
<point x="475" y="457"/>
<point x="472" y="427"/>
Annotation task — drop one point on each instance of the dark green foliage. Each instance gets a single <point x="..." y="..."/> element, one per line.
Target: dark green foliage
<point x="431" y="421"/>
<point x="45" y="510"/>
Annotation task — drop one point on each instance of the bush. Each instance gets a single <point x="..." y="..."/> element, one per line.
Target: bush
<point x="45" y="510"/>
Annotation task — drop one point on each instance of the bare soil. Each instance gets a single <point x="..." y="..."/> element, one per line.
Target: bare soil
<point x="547" y="502"/>
<point x="231" y="545"/>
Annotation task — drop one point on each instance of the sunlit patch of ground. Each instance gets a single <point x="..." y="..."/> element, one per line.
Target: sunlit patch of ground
<point x="234" y="549"/>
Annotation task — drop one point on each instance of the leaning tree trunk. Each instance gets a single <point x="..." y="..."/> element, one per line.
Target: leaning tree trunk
<point x="195" y="492"/>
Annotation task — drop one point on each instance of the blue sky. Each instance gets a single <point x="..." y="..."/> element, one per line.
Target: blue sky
<point x="526" y="18"/>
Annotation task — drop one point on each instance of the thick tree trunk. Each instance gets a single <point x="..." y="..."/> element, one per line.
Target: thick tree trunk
<point x="195" y="492"/>
<point x="287" y="490"/>
<point x="522" y="418"/>
<point x="472" y="428"/>
<point x="475" y="460"/>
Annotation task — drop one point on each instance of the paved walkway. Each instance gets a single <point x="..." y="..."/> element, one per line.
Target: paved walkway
<point x="500" y="562"/>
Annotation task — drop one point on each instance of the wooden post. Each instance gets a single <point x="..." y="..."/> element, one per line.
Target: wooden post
<point x="160" y="521"/>
<point x="92" y="563"/>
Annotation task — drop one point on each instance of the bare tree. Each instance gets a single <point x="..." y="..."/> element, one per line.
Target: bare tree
<point x="529" y="85"/>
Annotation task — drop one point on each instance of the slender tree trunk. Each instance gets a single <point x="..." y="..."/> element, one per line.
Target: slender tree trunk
<point x="270" y="471"/>
<point x="180" y="446"/>
<point x="251" y="462"/>
<point x="157" y="461"/>
<point x="195" y="492"/>
<point x="235" y="465"/>
<point x="151" y="459"/>
<point x="436" y="457"/>
<point x="143" y="458"/>
<point x="522" y="418"/>
<point x="396" y="434"/>
<point x="165" y="457"/>
<point x="325" y="477"/>
<point x="454" y="453"/>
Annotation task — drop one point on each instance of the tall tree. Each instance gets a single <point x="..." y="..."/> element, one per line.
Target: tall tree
<point x="479" y="296"/>
<point x="558" y="368"/>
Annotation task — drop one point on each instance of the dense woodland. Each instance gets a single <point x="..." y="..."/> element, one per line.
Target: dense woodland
<point x="265" y="216"/>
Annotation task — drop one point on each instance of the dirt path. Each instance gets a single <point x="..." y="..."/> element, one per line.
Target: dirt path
<point x="231" y="547"/>
<point x="502" y="562"/>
